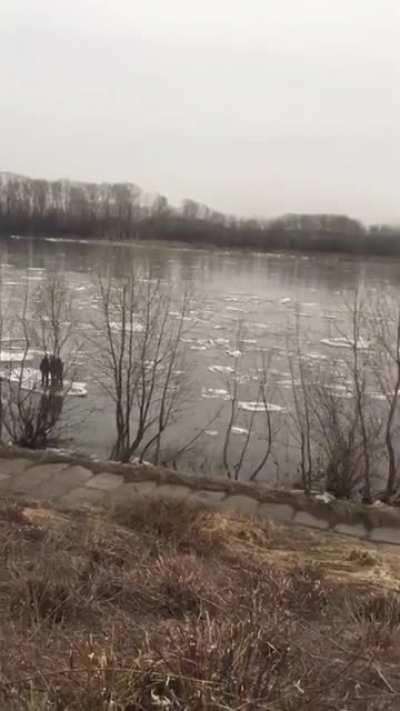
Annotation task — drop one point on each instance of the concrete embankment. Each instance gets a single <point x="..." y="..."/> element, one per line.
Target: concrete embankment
<point x="74" y="482"/>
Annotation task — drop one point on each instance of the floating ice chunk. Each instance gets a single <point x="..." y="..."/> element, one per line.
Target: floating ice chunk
<point x="344" y="342"/>
<point x="289" y="383"/>
<point x="316" y="356"/>
<point x="80" y="288"/>
<point x="249" y="341"/>
<point x="239" y="430"/>
<point x="15" y="356"/>
<point x="211" y="433"/>
<point x="286" y="300"/>
<point x="260" y="407"/>
<point x="222" y="341"/>
<point x="117" y="326"/>
<point x="236" y="309"/>
<point x="213" y="393"/>
<point x="310" y="304"/>
<point x="325" y="497"/>
<point x="340" y="391"/>
<point x="198" y="348"/>
<point x="376" y="396"/>
<point x="30" y="380"/>
<point x="234" y="354"/>
<point x="221" y="369"/>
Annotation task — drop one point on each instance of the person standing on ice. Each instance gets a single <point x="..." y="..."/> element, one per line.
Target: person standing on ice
<point x="45" y="370"/>
<point x="53" y="371"/>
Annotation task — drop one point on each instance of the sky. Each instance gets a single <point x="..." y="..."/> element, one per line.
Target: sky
<point x="253" y="107"/>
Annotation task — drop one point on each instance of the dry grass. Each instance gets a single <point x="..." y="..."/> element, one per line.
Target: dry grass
<point x="181" y="609"/>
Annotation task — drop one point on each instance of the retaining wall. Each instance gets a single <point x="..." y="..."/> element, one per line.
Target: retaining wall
<point x="80" y="479"/>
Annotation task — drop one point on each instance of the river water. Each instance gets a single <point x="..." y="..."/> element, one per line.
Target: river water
<point x="261" y="291"/>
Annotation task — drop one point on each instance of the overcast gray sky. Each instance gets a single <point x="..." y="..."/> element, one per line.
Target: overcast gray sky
<point x="255" y="107"/>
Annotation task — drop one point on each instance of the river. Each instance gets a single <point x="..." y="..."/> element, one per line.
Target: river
<point x="262" y="291"/>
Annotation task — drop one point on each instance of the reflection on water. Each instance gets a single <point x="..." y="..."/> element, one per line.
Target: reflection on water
<point x="261" y="291"/>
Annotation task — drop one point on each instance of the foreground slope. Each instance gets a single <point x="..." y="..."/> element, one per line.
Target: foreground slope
<point x="180" y="608"/>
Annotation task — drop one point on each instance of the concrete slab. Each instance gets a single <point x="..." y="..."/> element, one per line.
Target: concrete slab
<point x="61" y="482"/>
<point x="28" y="481"/>
<point x="82" y="497"/>
<point x="303" y="518"/>
<point x="358" y="530"/>
<point x="105" y="482"/>
<point x="170" y="491"/>
<point x="129" y="494"/>
<point x="5" y="482"/>
<point x="13" y="467"/>
<point x="385" y="535"/>
<point x="283" y="513"/>
<point x="243" y="505"/>
<point x="207" y="498"/>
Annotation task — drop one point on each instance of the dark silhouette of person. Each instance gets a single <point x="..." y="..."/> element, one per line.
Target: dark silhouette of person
<point x="53" y="373"/>
<point x="59" y="368"/>
<point x="45" y="369"/>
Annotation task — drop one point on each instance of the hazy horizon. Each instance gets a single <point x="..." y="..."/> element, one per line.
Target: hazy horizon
<point x="257" y="109"/>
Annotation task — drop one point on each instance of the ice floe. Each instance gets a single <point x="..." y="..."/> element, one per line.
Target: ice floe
<point x="215" y="393"/>
<point x="135" y="327"/>
<point x="234" y="354"/>
<point x="260" y="407"/>
<point x="15" y="356"/>
<point x="344" y="342"/>
<point x="211" y="433"/>
<point x="221" y="369"/>
<point x="316" y="356"/>
<point x="30" y="380"/>
<point x="239" y="430"/>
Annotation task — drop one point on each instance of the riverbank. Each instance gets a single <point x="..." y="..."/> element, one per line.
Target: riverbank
<point x="165" y="606"/>
<point x="76" y="481"/>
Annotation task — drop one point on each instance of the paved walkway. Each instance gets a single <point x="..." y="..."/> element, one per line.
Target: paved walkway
<point x="74" y="486"/>
<point x="69" y="484"/>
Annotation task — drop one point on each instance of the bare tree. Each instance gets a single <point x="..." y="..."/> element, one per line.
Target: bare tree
<point x="138" y="357"/>
<point x="53" y="322"/>
<point x="31" y="413"/>
<point x="300" y="414"/>
<point x="384" y="327"/>
<point x="234" y="459"/>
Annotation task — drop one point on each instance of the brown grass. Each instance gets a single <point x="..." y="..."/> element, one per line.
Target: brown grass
<point x="185" y="609"/>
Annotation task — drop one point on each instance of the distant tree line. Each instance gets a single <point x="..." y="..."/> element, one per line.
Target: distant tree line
<point x="119" y="211"/>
